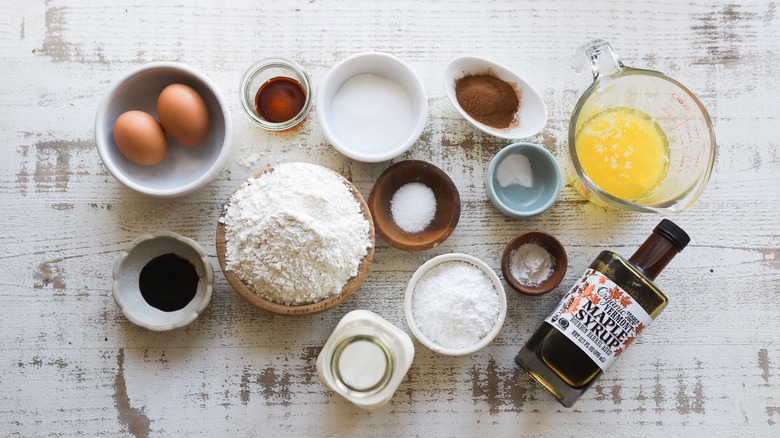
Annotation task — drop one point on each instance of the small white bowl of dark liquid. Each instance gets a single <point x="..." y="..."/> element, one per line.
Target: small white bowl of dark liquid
<point x="163" y="281"/>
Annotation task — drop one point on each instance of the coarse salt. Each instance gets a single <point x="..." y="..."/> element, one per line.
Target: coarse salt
<point x="413" y="207"/>
<point x="455" y="304"/>
<point x="515" y="169"/>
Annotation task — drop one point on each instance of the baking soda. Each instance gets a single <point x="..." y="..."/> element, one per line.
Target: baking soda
<point x="514" y="169"/>
<point x="371" y="113"/>
<point x="413" y="207"/>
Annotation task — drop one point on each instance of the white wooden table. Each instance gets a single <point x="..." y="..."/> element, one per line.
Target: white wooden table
<point x="72" y="365"/>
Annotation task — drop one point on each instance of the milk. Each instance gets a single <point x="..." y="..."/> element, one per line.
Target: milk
<point x="365" y="359"/>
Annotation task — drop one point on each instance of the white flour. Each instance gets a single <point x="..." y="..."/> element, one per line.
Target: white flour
<point x="295" y="235"/>
<point x="455" y="304"/>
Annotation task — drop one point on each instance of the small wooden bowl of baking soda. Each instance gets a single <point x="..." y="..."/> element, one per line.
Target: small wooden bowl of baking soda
<point x="415" y="205"/>
<point x="534" y="263"/>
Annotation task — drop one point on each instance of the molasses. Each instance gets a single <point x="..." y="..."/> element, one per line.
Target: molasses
<point x="168" y="282"/>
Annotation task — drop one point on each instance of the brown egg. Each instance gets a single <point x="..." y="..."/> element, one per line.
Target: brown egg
<point x="183" y="114"/>
<point x="140" y="138"/>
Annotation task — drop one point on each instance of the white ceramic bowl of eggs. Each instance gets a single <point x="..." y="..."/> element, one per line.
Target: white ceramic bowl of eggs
<point x="164" y="130"/>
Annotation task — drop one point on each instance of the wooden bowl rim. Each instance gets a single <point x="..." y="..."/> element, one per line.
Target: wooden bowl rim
<point x="448" y="184"/>
<point x="304" y="309"/>
<point x="542" y="239"/>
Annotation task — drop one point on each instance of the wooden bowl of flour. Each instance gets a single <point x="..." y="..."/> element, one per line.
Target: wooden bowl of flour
<point x="304" y="309"/>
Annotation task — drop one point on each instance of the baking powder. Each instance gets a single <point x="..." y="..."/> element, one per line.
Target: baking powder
<point x="531" y="264"/>
<point x="295" y="235"/>
<point x="455" y="304"/>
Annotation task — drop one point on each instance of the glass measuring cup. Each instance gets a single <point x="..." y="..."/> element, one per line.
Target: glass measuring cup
<point x="676" y="118"/>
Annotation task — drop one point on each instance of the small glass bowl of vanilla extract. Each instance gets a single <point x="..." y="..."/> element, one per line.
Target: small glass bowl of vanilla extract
<point x="275" y="94"/>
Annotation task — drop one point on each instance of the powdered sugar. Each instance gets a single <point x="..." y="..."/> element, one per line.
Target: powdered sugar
<point x="455" y="304"/>
<point x="295" y="235"/>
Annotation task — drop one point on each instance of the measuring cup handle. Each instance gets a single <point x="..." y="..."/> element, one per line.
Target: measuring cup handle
<point x="600" y="57"/>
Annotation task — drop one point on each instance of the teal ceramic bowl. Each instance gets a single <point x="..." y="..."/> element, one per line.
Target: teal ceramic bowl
<point x="511" y="192"/>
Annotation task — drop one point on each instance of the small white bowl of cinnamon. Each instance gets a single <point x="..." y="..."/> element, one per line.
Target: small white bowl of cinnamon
<point x="493" y="98"/>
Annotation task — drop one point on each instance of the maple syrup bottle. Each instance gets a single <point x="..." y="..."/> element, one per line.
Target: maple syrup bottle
<point x="600" y="316"/>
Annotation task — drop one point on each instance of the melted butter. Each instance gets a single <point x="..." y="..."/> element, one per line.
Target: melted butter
<point x="624" y="152"/>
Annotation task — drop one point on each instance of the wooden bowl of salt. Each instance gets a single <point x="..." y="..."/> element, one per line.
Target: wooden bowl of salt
<point x="415" y="205"/>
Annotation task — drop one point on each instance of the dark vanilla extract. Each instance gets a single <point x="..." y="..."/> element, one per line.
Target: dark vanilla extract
<point x="280" y="99"/>
<point x="168" y="282"/>
<point x="600" y="316"/>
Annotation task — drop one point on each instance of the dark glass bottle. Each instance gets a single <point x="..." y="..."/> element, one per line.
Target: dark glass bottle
<point x="596" y="320"/>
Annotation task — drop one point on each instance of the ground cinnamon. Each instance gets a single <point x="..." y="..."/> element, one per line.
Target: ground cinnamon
<point x="488" y="100"/>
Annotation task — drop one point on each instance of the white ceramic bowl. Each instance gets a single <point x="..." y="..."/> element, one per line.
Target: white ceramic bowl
<point x="532" y="111"/>
<point x="128" y="268"/>
<point x="387" y="66"/>
<point x="428" y="342"/>
<point x="184" y="169"/>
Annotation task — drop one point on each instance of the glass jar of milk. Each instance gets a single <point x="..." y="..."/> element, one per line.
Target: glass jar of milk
<point x="365" y="359"/>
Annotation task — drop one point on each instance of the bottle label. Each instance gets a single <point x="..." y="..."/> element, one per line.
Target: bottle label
<point x="599" y="317"/>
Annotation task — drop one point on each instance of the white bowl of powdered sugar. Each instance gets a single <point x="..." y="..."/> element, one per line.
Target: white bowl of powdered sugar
<point x="295" y="239"/>
<point x="455" y="304"/>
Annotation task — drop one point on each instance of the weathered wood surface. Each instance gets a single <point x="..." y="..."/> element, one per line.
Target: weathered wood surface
<point x="72" y="365"/>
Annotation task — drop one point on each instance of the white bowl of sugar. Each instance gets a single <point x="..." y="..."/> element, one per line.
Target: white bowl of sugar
<point x="455" y="304"/>
<point x="372" y="107"/>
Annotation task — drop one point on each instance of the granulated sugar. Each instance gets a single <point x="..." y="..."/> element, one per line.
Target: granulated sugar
<point x="295" y="235"/>
<point x="372" y="113"/>
<point x="455" y="304"/>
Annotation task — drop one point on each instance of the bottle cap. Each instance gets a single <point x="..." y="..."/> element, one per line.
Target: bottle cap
<point x="675" y="234"/>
